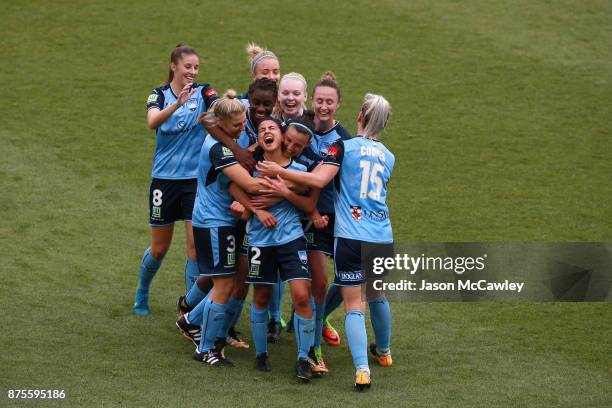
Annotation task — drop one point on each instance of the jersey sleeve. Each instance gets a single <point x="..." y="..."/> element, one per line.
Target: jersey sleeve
<point x="209" y="95"/>
<point x="155" y="99"/>
<point x="343" y="133"/>
<point x="221" y="157"/>
<point x="335" y="153"/>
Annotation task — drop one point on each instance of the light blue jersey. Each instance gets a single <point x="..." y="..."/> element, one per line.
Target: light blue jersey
<point x="361" y="189"/>
<point x="213" y="200"/>
<point x="180" y="137"/>
<point x="288" y="226"/>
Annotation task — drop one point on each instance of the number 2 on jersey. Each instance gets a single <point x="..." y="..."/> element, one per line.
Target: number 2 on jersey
<point x="371" y="177"/>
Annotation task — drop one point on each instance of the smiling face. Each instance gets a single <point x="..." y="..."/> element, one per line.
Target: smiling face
<point x="267" y="68"/>
<point x="294" y="141"/>
<point x="234" y="124"/>
<point x="325" y="103"/>
<point x="269" y="136"/>
<point x="292" y="96"/>
<point x="261" y="104"/>
<point x="186" y="69"/>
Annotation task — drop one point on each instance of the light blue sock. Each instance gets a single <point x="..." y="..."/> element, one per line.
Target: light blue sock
<point x="333" y="299"/>
<point x="213" y="317"/>
<point x="195" y="316"/>
<point x="195" y="295"/>
<point x="230" y="311"/>
<point x="259" y="329"/>
<point x="148" y="269"/>
<point x="304" y="334"/>
<point x="357" y="337"/>
<point x="319" y="310"/>
<point x="380" y="317"/>
<point x="276" y="300"/>
<point x="234" y="321"/>
<point x="191" y="273"/>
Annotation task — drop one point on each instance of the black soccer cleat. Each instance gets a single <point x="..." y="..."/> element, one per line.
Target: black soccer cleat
<point x="219" y="348"/>
<point x="302" y="370"/>
<point x="274" y="331"/>
<point x="190" y="331"/>
<point x="182" y="307"/>
<point x="212" y="358"/>
<point x="262" y="362"/>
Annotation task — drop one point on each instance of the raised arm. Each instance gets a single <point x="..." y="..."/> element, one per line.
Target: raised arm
<point x="155" y="116"/>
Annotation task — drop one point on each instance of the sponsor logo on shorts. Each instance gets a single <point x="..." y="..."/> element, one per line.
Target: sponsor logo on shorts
<point x="351" y="276"/>
<point x="310" y="237"/>
<point x="303" y="256"/>
<point x="356" y="212"/>
<point x="254" y="271"/>
<point x="156" y="212"/>
<point x="231" y="259"/>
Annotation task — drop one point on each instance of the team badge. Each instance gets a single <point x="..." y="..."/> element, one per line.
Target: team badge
<point x="356" y="212"/>
<point x="181" y="124"/>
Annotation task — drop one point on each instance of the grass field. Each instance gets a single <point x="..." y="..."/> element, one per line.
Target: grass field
<point x="501" y="126"/>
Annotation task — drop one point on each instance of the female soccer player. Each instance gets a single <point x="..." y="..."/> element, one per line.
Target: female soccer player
<point x="214" y="232"/>
<point x="326" y="100"/>
<point x="264" y="63"/>
<point x="358" y="202"/>
<point x="173" y="110"/>
<point x="262" y="94"/>
<point x="280" y="252"/>
<point x="292" y="95"/>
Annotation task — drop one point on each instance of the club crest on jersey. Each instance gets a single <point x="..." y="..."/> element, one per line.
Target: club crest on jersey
<point x="303" y="256"/>
<point x="324" y="149"/>
<point x="356" y="212"/>
<point x="181" y="124"/>
<point x="192" y="105"/>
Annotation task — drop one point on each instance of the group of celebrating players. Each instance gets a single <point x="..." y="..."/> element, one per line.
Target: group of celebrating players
<point x="268" y="190"/>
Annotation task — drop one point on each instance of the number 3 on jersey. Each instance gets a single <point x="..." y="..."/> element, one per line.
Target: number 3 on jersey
<point x="370" y="177"/>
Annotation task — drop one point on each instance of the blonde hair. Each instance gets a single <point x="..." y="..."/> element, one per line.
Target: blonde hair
<point x="375" y="113"/>
<point x="257" y="53"/>
<point x="227" y="105"/>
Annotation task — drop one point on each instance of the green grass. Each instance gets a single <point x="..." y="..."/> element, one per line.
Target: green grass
<point x="501" y="127"/>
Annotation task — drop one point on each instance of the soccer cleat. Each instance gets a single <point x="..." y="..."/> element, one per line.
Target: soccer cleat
<point x="317" y="365"/>
<point x="141" y="303"/>
<point x="262" y="362"/>
<point x="211" y="358"/>
<point x="182" y="307"/>
<point x="362" y="380"/>
<point x="233" y="339"/>
<point x="384" y="360"/>
<point x="330" y="335"/>
<point x="274" y="331"/>
<point x="219" y="349"/>
<point x="302" y="370"/>
<point x="190" y="331"/>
